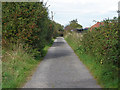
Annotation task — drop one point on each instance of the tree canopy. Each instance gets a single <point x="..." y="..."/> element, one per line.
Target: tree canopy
<point x="73" y="25"/>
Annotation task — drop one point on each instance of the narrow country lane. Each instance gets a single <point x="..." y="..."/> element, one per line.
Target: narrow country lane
<point x="61" y="68"/>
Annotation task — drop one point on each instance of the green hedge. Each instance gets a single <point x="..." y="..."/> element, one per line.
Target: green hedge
<point x="99" y="51"/>
<point x="103" y="42"/>
<point x="28" y="23"/>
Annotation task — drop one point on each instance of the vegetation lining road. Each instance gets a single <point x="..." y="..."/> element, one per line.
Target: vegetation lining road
<point x="61" y="68"/>
<point x="18" y="66"/>
<point x="27" y="30"/>
<point x="98" y="50"/>
<point x="26" y="35"/>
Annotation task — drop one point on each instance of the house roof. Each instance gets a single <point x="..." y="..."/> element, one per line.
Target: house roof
<point x="98" y="24"/>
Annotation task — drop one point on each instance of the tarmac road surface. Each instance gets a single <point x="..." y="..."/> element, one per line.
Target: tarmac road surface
<point x="61" y="68"/>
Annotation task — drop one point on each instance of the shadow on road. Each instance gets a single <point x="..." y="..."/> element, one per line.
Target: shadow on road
<point x="59" y="50"/>
<point x="57" y="54"/>
<point x="58" y="44"/>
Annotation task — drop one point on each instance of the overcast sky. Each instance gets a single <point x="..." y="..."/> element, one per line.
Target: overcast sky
<point x="85" y="11"/>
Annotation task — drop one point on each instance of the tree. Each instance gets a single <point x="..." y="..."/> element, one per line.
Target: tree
<point x="73" y="25"/>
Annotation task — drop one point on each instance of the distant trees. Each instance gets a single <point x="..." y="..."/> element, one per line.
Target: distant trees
<point x="59" y="29"/>
<point x="73" y="25"/>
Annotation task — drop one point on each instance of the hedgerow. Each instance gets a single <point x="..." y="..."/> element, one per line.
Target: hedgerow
<point x="27" y="33"/>
<point x="28" y="23"/>
<point x="103" y="42"/>
<point x="99" y="51"/>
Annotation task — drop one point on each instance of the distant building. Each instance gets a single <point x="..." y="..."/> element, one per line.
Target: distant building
<point x="79" y="30"/>
<point x="86" y="28"/>
<point x="98" y="24"/>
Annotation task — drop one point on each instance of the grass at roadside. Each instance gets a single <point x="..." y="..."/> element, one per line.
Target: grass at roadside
<point x="18" y="66"/>
<point x="105" y="77"/>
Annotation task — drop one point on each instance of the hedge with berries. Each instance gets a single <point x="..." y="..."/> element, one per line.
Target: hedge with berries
<point x="103" y="43"/>
<point x="26" y="22"/>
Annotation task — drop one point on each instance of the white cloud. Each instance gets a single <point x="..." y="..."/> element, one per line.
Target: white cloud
<point x="84" y="10"/>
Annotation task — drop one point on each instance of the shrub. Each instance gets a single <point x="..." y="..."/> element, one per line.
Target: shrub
<point x="27" y="23"/>
<point x="99" y="50"/>
<point x="102" y="42"/>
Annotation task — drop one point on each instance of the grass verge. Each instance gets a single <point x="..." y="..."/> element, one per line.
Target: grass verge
<point x="105" y="76"/>
<point x="18" y="66"/>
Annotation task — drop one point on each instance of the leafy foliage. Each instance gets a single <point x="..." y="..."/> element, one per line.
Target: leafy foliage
<point x="58" y="29"/>
<point x="26" y="36"/>
<point x="99" y="51"/>
<point x="73" y="25"/>
<point x="102" y="42"/>
<point x="27" y="23"/>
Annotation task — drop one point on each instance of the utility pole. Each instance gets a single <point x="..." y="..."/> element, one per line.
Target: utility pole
<point x="118" y="11"/>
<point x="52" y="15"/>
